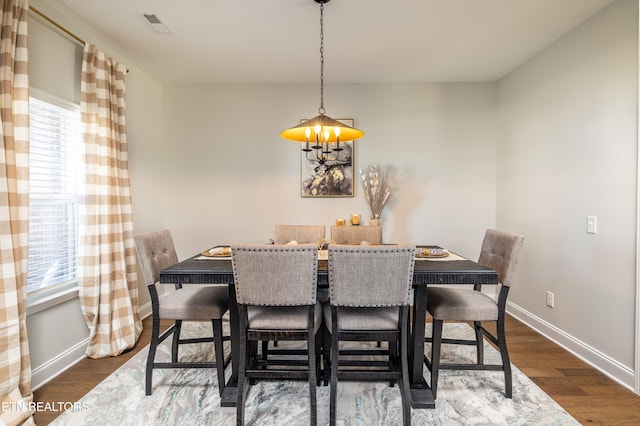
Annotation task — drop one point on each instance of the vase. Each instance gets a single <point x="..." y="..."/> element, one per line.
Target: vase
<point x="374" y="221"/>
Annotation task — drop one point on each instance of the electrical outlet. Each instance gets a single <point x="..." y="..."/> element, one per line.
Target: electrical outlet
<point x="550" y="299"/>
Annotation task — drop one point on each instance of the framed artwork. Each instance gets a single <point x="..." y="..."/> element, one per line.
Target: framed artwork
<point x="328" y="175"/>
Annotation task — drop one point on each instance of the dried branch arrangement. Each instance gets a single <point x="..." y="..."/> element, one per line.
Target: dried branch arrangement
<point x="378" y="187"/>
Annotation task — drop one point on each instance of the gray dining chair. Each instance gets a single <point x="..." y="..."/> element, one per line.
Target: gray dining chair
<point x="360" y="234"/>
<point x="302" y="234"/>
<point x="356" y="234"/>
<point x="369" y="302"/>
<point x="156" y="252"/>
<point x="276" y="294"/>
<point x="500" y="251"/>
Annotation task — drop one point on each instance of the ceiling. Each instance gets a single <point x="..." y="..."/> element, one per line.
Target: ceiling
<point x="366" y="41"/>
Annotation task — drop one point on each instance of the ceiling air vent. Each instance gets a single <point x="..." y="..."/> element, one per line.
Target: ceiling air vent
<point x="156" y="23"/>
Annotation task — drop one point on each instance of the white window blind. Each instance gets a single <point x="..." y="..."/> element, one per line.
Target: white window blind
<point x="53" y="194"/>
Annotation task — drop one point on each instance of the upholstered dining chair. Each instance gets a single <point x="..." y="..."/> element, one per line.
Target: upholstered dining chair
<point x="302" y="234"/>
<point x="190" y="303"/>
<point x="369" y="302"/>
<point x="276" y="294"/>
<point x="500" y="251"/>
<point x="356" y="234"/>
<point x="360" y="234"/>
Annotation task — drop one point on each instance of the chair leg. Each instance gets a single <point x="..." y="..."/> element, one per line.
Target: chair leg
<point x="155" y="336"/>
<point x="477" y="326"/>
<point x="252" y="358"/>
<point x="265" y="352"/>
<point x="219" y="349"/>
<point x="506" y="363"/>
<point x="176" y="341"/>
<point x="311" y="357"/>
<point x="334" y="367"/>
<point x="243" y="385"/>
<point x="326" y="356"/>
<point x="435" y="355"/>
<point x="318" y="351"/>
<point x="394" y="360"/>
<point x="405" y="391"/>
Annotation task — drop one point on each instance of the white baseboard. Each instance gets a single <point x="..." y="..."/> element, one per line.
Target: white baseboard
<point x="56" y="366"/>
<point x="49" y="370"/>
<point x="608" y="366"/>
<point x="145" y="310"/>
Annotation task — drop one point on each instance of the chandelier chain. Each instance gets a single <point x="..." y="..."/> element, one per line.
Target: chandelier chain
<point x="321" y="110"/>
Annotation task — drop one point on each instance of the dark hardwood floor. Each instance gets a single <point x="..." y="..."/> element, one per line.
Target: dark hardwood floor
<point x="74" y="383"/>
<point x="587" y="394"/>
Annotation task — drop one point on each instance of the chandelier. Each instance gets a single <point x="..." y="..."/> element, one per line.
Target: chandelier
<point x="324" y="132"/>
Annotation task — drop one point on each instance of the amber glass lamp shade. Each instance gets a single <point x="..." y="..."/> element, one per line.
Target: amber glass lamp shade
<point x="322" y="129"/>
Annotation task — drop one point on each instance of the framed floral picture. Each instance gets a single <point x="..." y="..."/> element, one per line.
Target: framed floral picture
<point x="328" y="175"/>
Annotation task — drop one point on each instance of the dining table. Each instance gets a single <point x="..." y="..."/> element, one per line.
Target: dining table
<point x="447" y="269"/>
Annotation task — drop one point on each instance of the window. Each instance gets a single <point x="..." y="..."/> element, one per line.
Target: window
<point x="53" y="194"/>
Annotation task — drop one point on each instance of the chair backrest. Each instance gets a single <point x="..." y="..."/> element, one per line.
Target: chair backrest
<point x="275" y="275"/>
<point x="500" y="251"/>
<point x="367" y="276"/>
<point x="155" y="253"/>
<point x="303" y="234"/>
<point x="356" y="234"/>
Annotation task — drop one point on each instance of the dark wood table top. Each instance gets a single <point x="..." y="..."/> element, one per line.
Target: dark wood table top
<point x="220" y="271"/>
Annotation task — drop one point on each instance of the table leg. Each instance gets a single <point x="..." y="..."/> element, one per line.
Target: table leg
<point x="421" y="396"/>
<point x="230" y="391"/>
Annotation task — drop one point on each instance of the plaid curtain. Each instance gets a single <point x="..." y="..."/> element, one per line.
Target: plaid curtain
<point x="107" y="264"/>
<point x="15" y="368"/>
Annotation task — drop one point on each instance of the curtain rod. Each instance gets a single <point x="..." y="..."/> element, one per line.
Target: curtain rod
<point x="61" y="28"/>
<point x="58" y="26"/>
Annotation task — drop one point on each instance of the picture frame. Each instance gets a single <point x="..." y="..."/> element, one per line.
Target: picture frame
<point x="332" y="177"/>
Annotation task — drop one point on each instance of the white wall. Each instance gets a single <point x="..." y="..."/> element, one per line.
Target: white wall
<point x="568" y="149"/>
<point x="230" y="177"/>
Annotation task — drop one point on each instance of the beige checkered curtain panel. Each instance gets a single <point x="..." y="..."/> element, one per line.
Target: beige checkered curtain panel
<point x="107" y="264"/>
<point x="15" y="369"/>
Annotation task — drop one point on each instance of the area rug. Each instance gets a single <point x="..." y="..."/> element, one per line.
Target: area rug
<point x="190" y="396"/>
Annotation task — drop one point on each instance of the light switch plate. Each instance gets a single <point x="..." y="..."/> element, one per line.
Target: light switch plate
<point x="592" y="224"/>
